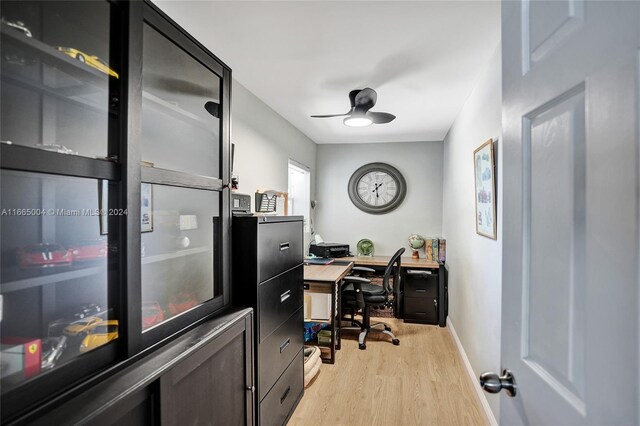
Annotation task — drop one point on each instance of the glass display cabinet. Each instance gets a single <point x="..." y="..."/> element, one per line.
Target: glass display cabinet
<point x="114" y="216"/>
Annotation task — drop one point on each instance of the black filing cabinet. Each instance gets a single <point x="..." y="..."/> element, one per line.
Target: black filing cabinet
<point x="425" y="296"/>
<point x="268" y="276"/>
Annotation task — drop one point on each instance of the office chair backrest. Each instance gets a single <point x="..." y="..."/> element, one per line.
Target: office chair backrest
<point x="393" y="266"/>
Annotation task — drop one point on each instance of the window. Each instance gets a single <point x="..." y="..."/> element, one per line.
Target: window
<point x="300" y="192"/>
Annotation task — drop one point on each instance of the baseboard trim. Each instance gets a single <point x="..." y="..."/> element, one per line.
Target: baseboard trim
<point x="474" y="380"/>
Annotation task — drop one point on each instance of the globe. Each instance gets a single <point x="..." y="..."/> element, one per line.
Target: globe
<point x="365" y="247"/>
<point x="416" y="242"/>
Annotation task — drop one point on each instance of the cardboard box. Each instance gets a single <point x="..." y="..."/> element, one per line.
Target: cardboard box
<point x="317" y="306"/>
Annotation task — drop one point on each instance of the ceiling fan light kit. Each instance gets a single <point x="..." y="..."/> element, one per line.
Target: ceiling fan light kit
<point x="359" y="115"/>
<point x="357" y="121"/>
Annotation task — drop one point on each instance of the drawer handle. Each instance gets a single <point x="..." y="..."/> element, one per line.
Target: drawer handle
<point x="285" y="345"/>
<point x="421" y="290"/>
<point x="284" y="296"/>
<point x="285" y="395"/>
<point x="421" y="313"/>
<point x="418" y="273"/>
<point x="284" y="246"/>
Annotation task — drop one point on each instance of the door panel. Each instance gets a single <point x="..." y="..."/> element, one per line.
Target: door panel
<point x="570" y="238"/>
<point x="545" y="25"/>
<point x="553" y="267"/>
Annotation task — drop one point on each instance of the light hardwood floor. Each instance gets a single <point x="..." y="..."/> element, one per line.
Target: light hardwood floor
<point x="421" y="382"/>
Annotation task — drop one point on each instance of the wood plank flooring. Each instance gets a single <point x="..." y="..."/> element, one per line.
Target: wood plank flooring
<point x="421" y="382"/>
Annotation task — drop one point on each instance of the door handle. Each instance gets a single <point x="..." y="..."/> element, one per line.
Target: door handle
<point x="492" y="383"/>
<point x="284" y="246"/>
<point x="418" y="273"/>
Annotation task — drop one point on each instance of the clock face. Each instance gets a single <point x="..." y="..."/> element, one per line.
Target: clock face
<point x="377" y="188"/>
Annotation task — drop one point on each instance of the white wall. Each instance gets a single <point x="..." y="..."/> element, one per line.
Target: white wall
<point x="474" y="261"/>
<point x="338" y="220"/>
<point x="264" y="143"/>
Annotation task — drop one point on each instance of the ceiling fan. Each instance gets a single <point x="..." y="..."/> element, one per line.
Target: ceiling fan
<point x="359" y="115"/>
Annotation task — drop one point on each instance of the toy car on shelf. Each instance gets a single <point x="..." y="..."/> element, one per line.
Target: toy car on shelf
<point x="100" y="334"/>
<point x="91" y="60"/>
<point x="44" y="255"/>
<point x="18" y="26"/>
<point x="85" y="310"/>
<point x="152" y="314"/>
<point x="52" y="349"/>
<point x="82" y="327"/>
<point x="57" y="326"/>
<point x="181" y="302"/>
<point x="12" y="54"/>
<point x="89" y="250"/>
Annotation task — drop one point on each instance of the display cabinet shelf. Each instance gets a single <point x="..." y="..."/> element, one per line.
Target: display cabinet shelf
<point x="173" y="255"/>
<point x="25" y="158"/>
<point x="161" y="176"/>
<point x="14" y="278"/>
<point x="68" y="94"/>
<point x="173" y="110"/>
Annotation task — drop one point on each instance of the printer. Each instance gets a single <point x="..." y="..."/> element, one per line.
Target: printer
<point x="329" y="249"/>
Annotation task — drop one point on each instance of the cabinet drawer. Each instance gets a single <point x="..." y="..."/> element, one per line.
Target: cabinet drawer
<point x="421" y="310"/>
<point x="279" y="297"/>
<point x="279" y="248"/>
<point x="421" y="283"/>
<point x="280" y="401"/>
<point x="277" y="351"/>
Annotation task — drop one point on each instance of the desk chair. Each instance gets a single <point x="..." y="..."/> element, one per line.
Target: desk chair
<point x="359" y="294"/>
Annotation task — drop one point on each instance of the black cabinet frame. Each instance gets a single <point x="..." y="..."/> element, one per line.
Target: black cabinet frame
<point x="124" y="172"/>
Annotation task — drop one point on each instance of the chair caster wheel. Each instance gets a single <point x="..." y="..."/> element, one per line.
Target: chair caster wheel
<point x="386" y="327"/>
<point x="362" y="346"/>
<point x="395" y="342"/>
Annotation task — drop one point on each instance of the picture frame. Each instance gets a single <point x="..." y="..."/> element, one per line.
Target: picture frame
<point x="485" y="190"/>
<point x="146" y="207"/>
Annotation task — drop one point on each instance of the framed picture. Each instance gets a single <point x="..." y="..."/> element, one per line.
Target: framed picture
<point x="485" y="192"/>
<point x="146" y="207"/>
<point x="103" y="205"/>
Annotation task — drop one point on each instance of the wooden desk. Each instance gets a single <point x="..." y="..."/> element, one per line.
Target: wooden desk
<point x="406" y="262"/>
<point x="327" y="279"/>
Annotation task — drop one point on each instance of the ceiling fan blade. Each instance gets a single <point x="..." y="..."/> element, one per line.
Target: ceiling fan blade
<point x="380" y="117"/>
<point x="352" y="97"/>
<point x="365" y="99"/>
<point x="329" y="116"/>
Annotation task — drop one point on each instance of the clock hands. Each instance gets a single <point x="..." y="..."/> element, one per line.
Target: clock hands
<point x="377" y="185"/>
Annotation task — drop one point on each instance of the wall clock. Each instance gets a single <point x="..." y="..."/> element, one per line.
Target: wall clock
<point x="377" y="188"/>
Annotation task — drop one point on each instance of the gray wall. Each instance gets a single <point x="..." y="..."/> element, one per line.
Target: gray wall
<point x="474" y="261"/>
<point x="264" y="143"/>
<point x="338" y="220"/>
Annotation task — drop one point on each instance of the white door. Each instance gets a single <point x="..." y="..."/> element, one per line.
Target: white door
<point x="570" y="320"/>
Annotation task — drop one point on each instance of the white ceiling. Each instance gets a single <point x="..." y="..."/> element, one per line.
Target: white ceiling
<point x="303" y="57"/>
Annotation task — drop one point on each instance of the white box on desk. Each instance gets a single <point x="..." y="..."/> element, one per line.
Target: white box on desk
<point x="317" y="306"/>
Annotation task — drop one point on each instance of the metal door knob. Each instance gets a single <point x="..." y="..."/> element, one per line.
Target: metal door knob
<point x="493" y="383"/>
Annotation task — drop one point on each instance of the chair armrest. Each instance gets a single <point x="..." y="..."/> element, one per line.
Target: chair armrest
<point x="357" y="286"/>
<point x="359" y="280"/>
<point x="363" y="269"/>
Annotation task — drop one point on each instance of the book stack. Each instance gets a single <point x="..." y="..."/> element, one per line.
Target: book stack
<point x="435" y="249"/>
